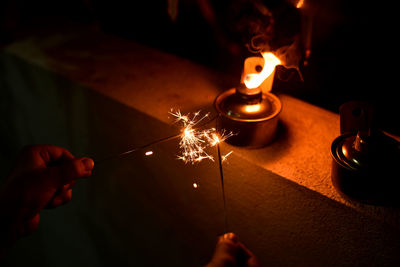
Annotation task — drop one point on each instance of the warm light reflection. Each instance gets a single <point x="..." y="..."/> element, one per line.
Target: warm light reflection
<point x="148" y="153"/>
<point x="254" y="80"/>
<point x="252" y="108"/>
<point x="195" y="185"/>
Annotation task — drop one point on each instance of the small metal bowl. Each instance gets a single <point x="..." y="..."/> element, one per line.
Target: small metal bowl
<point x="253" y="119"/>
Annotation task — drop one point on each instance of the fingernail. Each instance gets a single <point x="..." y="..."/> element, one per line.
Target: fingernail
<point x="231" y="236"/>
<point x="88" y="163"/>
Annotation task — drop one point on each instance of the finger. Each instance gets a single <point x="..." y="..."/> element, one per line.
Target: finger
<point x="68" y="171"/>
<point x="31" y="224"/>
<point x="246" y="250"/>
<point x="59" y="194"/>
<point x="252" y="262"/>
<point x="226" y="251"/>
<point x="52" y="154"/>
<point x="231" y="236"/>
<point x="46" y="183"/>
<point x="70" y="185"/>
<point x="247" y="257"/>
<point x="60" y="199"/>
<point x="39" y="156"/>
<point x="65" y="187"/>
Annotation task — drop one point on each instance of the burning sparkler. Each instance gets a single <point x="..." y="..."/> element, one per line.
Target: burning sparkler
<point x="195" y="141"/>
<point x="193" y="144"/>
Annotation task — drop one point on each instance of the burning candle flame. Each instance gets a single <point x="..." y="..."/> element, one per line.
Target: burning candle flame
<point x="194" y="142"/>
<point x="254" y="80"/>
<point x="300" y="4"/>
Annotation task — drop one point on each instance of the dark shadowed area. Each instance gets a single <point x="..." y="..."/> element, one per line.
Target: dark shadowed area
<point x="347" y="49"/>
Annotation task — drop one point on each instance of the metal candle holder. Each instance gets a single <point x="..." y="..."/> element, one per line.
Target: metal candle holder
<point x="252" y="118"/>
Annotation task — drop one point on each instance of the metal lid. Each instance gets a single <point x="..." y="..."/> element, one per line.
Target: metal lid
<point x="354" y="151"/>
<point x="365" y="152"/>
<point x="243" y="107"/>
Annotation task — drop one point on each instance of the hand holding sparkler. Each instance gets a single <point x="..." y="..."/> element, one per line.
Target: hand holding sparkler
<point x="43" y="176"/>
<point x="230" y="251"/>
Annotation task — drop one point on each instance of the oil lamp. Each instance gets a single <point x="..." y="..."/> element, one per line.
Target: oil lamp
<point x="250" y="111"/>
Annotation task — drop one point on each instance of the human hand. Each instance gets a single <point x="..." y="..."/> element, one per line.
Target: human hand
<point x="230" y="252"/>
<point x="43" y="176"/>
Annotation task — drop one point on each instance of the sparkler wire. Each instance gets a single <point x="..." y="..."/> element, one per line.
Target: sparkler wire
<point x="221" y="173"/>
<point x="155" y="142"/>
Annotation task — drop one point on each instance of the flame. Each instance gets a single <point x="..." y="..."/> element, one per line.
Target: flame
<point x="254" y="80"/>
<point x="300" y="4"/>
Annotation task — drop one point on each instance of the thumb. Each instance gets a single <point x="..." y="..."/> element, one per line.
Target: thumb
<point x="228" y="243"/>
<point x="73" y="169"/>
<point x="226" y="251"/>
<point x="40" y="190"/>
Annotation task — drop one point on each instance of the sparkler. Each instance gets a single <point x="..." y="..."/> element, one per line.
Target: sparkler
<point x="193" y="144"/>
<point x="158" y="141"/>
<point x="221" y="173"/>
<point x="194" y="141"/>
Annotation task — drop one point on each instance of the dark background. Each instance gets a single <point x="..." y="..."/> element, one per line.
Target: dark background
<point x="353" y="46"/>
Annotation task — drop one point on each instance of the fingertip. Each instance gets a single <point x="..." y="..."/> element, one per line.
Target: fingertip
<point x="228" y="243"/>
<point x="83" y="167"/>
<point x="68" y="195"/>
<point x="231" y="236"/>
<point x="226" y="251"/>
<point x="88" y="164"/>
<point x="74" y="169"/>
